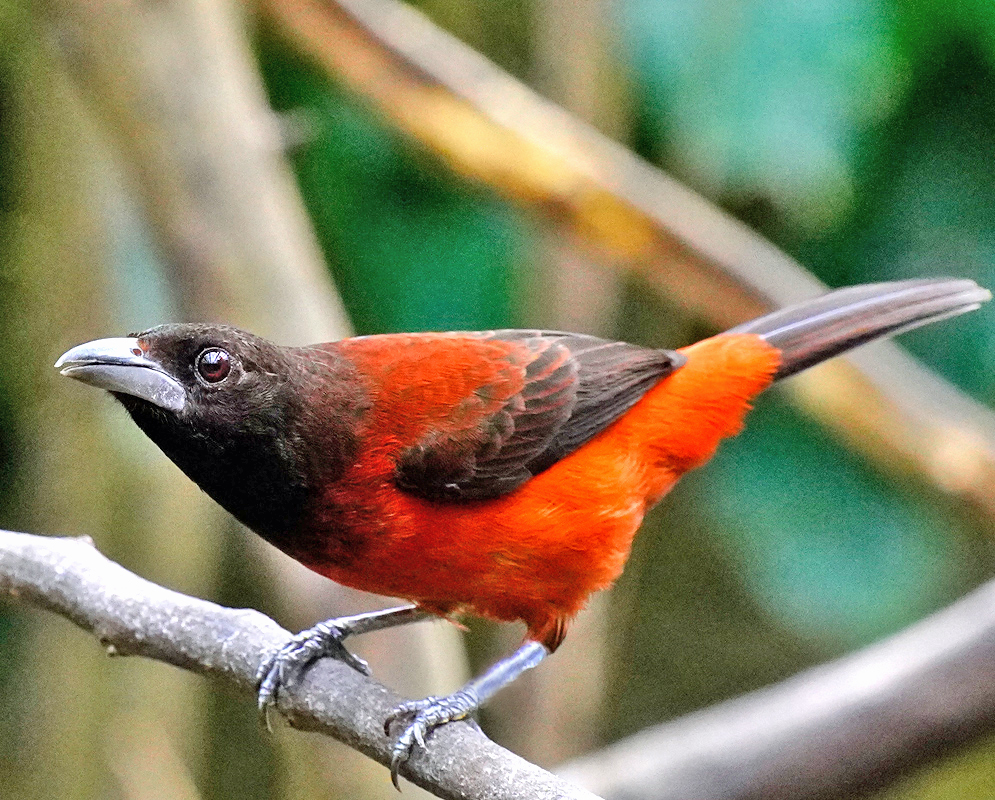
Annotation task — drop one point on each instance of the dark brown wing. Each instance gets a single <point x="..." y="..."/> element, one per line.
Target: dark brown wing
<point x="574" y="386"/>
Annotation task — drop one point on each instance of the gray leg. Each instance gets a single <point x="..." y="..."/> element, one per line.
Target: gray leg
<point x="285" y="665"/>
<point x="424" y="715"/>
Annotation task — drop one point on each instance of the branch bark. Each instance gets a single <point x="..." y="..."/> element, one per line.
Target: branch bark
<point x="131" y="616"/>
<point x="858" y="723"/>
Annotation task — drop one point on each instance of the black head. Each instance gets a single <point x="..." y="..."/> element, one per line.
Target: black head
<point x="257" y="426"/>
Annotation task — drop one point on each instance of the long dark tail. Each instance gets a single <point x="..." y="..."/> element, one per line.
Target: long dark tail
<point x="815" y="330"/>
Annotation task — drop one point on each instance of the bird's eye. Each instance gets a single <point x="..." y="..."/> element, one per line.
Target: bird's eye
<point x="214" y="364"/>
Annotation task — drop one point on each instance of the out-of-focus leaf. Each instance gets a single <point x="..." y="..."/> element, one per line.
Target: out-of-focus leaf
<point x="929" y="28"/>
<point x="928" y="208"/>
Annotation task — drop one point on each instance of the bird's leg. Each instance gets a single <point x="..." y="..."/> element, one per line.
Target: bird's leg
<point x="285" y="664"/>
<point x="424" y="715"/>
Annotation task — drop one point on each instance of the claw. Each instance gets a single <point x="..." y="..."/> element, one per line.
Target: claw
<point x="424" y="716"/>
<point x="284" y="665"/>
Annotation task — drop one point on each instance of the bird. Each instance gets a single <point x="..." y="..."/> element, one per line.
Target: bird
<point x="501" y="474"/>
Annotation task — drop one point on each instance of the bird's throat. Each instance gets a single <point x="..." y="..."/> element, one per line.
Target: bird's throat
<point x="255" y="477"/>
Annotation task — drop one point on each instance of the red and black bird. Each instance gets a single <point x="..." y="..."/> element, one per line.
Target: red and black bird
<point x="500" y="473"/>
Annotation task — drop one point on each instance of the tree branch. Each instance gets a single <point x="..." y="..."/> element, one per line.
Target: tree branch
<point x="181" y="101"/>
<point x="844" y="727"/>
<point x="131" y="616"/>
<point x="857" y="723"/>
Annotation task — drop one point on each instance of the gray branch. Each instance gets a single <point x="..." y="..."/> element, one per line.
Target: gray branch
<point x="850" y="725"/>
<point x="841" y="728"/>
<point x="132" y="616"/>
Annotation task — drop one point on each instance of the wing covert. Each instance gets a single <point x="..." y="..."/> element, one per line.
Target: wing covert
<point x="573" y="386"/>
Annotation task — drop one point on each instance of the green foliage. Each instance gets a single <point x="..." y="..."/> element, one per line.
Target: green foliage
<point x="927" y="207"/>
<point x="821" y="541"/>
<point x="858" y="134"/>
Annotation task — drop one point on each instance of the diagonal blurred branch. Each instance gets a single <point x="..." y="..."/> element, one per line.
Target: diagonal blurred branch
<point x="491" y="128"/>
<point x="841" y="728"/>
<point x="131" y="616"/>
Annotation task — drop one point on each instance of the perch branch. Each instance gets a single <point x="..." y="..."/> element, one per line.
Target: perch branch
<point x="854" y="724"/>
<point x="131" y="616"/>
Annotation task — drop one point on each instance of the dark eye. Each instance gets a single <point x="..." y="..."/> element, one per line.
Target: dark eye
<point x="213" y="365"/>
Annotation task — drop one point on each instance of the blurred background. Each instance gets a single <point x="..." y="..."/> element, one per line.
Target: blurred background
<point x="143" y="179"/>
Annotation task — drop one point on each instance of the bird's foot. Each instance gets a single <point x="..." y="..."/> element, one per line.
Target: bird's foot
<point x="423" y="716"/>
<point x="285" y="664"/>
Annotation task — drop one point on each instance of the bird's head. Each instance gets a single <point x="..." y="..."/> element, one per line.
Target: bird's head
<point x="254" y="424"/>
<point x="193" y="372"/>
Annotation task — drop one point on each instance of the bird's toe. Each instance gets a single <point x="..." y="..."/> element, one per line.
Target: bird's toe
<point x="283" y="666"/>
<point x="421" y="718"/>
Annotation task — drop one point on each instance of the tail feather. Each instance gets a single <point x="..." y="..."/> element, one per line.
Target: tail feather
<point x="818" y="329"/>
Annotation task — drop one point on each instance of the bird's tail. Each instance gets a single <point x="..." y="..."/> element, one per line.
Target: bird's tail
<point x="815" y="330"/>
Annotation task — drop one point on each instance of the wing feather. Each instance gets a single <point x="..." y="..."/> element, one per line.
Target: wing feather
<point x="573" y="387"/>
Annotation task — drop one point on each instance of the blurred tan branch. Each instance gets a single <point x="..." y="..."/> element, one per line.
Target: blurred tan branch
<point x="491" y="128"/>
<point x="180" y="99"/>
<point x="132" y="616"/>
